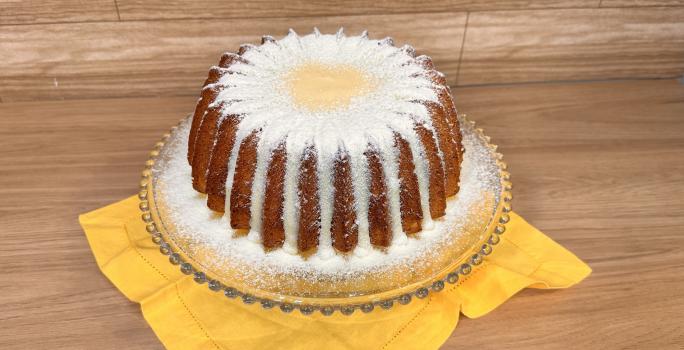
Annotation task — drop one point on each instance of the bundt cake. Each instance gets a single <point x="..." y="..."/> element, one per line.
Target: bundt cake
<point x="325" y="142"/>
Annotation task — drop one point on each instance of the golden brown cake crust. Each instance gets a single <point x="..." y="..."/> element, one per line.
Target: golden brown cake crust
<point x="437" y="196"/>
<point x="455" y="132"/>
<point x="204" y="147"/>
<point x="379" y="225"/>
<point x="208" y="96"/>
<point x="241" y="193"/>
<point x="218" y="167"/>
<point x="272" y="227"/>
<point x="228" y="58"/>
<point x="215" y="74"/>
<point x="309" y="201"/>
<point x="435" y="139"/>
<point x="344" y="229"/>
<point x="443" y="134"/>
<point x="409" y="194"/>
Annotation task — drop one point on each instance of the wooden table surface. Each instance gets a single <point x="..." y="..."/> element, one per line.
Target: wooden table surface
<point x="599" y="167"/>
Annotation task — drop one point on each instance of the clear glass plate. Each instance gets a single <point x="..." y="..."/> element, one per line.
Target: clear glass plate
<point x="447" y="263"/>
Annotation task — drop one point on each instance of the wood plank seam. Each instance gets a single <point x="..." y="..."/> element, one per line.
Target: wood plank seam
<point x="306" y="16"/>
<point x="679" y="78"/>
<point x="118" y="13"/>
<point x="580" y="81"/>
<point x="54" y="23"/>
<point x="423" y="12"/>
<point x="451" y="9"/>
<point x="639" y="6"/>
<point x="454" y="10"/>
<point x="460" y="54"/>
<point x="344" y="15"/>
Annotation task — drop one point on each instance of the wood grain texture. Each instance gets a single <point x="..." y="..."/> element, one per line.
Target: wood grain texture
<point x="523" y="46"/>
<point x="51" y="11"/>
<point x="177" y="9"/>
<point x="597" y="167"/>
<point x="160" y="58"/>
<point x="637" y="3"/>
<point x="80" y="155"/>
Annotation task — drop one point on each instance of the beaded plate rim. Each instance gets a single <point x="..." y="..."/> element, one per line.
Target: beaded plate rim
<point x="464" y="266"/>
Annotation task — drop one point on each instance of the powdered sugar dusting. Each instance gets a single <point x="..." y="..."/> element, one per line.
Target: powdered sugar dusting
<point x="256" y="88"/>
<point x="209" y="240"/>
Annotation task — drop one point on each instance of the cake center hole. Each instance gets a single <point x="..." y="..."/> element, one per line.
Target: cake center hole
<point x="317" y="87"/>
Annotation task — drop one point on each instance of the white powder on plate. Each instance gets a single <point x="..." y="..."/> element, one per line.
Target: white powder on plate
<point x="207" y="237"/>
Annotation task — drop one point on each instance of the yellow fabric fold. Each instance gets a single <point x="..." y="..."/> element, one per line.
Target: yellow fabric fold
<point x="186" y="316"/>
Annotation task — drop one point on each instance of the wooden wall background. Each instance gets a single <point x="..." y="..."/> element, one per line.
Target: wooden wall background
<point x="67" y="49"/>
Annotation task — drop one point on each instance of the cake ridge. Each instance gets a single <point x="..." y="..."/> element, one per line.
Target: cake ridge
<point x="404" y="115"/>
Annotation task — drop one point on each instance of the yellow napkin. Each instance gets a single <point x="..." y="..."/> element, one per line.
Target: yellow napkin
<point x="185" y="315"/>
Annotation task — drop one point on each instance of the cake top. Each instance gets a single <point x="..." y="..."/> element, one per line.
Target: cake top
<point x="327" y="89"/>
<point x="316" y="87"/>
<point x="334" y="94"/>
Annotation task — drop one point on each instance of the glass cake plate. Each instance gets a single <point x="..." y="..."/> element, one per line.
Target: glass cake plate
<point x="450" y="248"/>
